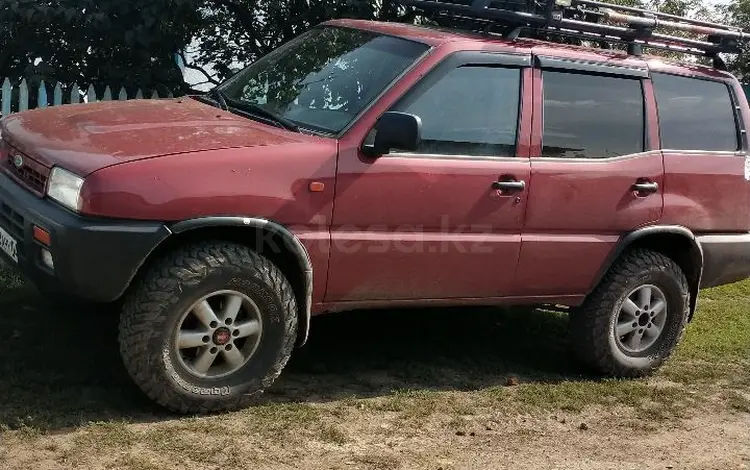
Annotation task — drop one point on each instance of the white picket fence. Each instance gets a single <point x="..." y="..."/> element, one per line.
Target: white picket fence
<point x="60" y="95"/>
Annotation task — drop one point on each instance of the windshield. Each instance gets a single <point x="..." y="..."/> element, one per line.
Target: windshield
<point x="324" y="78"/>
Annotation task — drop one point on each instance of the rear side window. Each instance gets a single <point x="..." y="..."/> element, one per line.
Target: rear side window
<point x="592" y="116"/>
<point x="471" y="111"/>
<point x="695" y="114"/>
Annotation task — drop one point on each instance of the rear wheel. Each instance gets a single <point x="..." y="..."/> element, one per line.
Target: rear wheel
<point x="209" y="327"/>
<point x="635" y="318"/>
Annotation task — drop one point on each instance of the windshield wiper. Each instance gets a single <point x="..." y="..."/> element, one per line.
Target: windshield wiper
<point x="220" y="97"/>
<point x="260" y="111"/>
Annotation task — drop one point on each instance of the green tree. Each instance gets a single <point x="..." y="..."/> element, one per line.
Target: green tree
<point x="236" y="32"/>
<point x="132" y="42"/>
<point x="737" y="13"/>
<point x="124" y="43"/>
<point x="240" y="31"/>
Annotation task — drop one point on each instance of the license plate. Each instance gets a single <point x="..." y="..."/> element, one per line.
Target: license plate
<point x="8" y="245"/>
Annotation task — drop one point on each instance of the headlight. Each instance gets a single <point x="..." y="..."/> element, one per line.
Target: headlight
<point x="65" y="188"/>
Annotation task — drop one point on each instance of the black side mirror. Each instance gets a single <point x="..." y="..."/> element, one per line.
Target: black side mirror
<point x="395" y="130"/>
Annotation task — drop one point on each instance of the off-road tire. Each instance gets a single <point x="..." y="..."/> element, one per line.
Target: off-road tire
<point x="153" y="310"/>
<point x="592" y="338"/>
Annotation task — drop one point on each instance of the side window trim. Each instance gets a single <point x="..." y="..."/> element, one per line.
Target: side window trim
<point x="740" y="124"/>
<point x="594" y="68"/>
<point x="739" y="120"/>
<point x="453" y="62"/>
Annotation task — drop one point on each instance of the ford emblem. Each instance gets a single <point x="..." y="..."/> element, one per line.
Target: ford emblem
<point x="18" y="160"/>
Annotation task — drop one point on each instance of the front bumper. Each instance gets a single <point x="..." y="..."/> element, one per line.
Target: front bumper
<point x="94" y="259"/>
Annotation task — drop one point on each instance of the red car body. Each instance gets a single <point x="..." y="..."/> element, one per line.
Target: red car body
<point x="374" y="232"/>
<point x="173" y="160"/>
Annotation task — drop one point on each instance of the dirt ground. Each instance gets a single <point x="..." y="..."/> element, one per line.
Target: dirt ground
<point x="713" y="441"/>
<point x="384" y="391"/>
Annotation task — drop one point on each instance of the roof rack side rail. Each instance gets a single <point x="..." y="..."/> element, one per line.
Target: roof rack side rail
<point x="602" y="22"/>
<point x="656" y="14"/>
<point x="655" y="22"/>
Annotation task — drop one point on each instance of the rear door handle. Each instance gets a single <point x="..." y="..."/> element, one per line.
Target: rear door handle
<point x="509" y="186"/>
<point x="646" y="187"/>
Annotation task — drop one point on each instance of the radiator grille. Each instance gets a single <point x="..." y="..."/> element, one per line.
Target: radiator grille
<point x="24" y="169"/>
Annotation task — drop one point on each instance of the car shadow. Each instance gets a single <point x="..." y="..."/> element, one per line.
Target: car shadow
<point x="60" y="367"/>
<point x="374" y="352"/>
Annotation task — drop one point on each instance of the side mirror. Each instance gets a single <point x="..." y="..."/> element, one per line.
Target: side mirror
<point x="395" y="130"/>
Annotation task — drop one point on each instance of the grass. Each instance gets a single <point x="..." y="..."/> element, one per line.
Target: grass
<point x="737" y="401"/>
<point x="333" y="434"/>
<point x="62" y="376"/>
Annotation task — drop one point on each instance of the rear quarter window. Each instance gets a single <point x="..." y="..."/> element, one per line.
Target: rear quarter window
<point x="695" y="114"/>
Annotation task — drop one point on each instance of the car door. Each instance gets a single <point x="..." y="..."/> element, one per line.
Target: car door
<point x="442" y="222"/>
<point x="596" y="168"/>
<point x="705" y="148"/>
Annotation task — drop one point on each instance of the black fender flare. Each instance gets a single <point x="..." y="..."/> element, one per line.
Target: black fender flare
<point x="630" y="238"/>
<point x="291" y="241"/>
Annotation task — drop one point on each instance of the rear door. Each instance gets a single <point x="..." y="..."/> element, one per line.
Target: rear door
<point x="704" y="145"/>
<point x="596" y="171"/>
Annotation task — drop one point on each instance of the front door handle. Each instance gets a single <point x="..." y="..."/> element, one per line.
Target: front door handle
<point x="509" y="186"/>
<point x="646" y="187"/>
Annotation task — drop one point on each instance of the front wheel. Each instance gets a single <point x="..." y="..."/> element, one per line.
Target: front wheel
<point x="209" y="327"/>
<point x="633" y="321"/>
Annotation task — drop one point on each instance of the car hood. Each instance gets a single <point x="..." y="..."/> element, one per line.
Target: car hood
<point x="86" y="137"/>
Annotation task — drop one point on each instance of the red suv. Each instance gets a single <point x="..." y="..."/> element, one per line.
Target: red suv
<point x="370" y="164"/>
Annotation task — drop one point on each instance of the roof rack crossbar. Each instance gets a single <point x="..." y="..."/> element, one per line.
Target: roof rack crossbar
<point x="478" y="9"/>
<point x="611" y="23"/>
<point x="617" y="40"/>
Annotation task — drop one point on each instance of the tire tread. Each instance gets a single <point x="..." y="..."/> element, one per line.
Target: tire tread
<point x="589" y="324"/>
<point x="144" y="306"/>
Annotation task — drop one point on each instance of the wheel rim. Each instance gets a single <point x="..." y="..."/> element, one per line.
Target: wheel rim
<point x="218" y="334"/>
<point x="640" y="322"/>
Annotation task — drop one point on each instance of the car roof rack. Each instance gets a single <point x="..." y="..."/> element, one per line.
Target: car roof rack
<point x="591" y="20"/>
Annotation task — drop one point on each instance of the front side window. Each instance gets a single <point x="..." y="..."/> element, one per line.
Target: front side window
<point x="592" y="116"/>
<point x="472" y="111"/>
<point x="695" y="114"/>
<point x="323" y="79"/>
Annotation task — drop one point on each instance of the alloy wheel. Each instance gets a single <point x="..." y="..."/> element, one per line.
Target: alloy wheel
<point x="218" y="334"/>
<point x="641" y="319"/>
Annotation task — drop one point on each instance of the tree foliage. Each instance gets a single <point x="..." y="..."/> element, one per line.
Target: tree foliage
<point x="236" y="32"/>
<point x="240" y="31"/>
<point x="737" y="13"/>
<point x="130" y="43"/>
